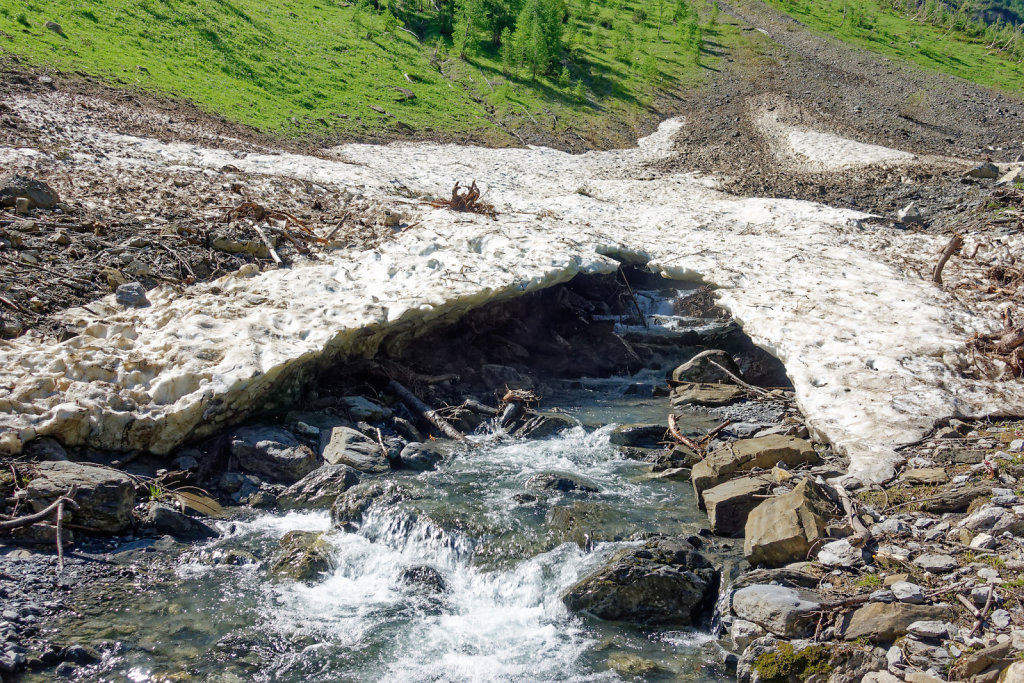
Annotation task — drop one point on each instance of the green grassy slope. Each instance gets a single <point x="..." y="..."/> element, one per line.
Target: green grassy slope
<point x="874" y="25"/>
<point x="300" y="67"/>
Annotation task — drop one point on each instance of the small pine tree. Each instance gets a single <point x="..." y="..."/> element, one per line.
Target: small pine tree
<point x="509" y="63"/>
<point x="564" y="79"/>
<point x="390" y="21"/>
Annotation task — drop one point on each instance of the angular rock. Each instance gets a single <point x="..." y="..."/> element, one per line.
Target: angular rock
<point x="782" y="529"/>
<point x="305" y="555"/>
<point x="955" y="500"/>
<point x="639" y="435"/>
<point x="558" y="481"/>
<point x="973" y="663"/>
<point x="361" y="408"/>
<point x="907" y="592"/>
<point x="936" y="564"/>
<point x="677" y="457"/>
<point x="346" y="446"/>
<point x="665" y="581"/>
<point x="841" y="554"/>
<point x="984" y="542"/>
<point x="745" y="454"/>
<point x="701" y="368"/>
<point x="785" y="612"/>
<point x="729" y="504"/>
<point x="910" y="215"/>
<point x="39" y="194"/>
<point x="543" y="425"/>
<point x="744" y="632"/>
<point x="319" y="488"/>
<point x="934" y="630"/>
<point x="987" y="170"/>
<point x="167" y="521"/>
<point x="930" y="476"/>
<point x="272" y="453"/>
<point x="691" y="394"/>
<point x="131" y="295"/>
<point x="350" y="506"/>
<point x="880" y="622"/>
<point x="105" y="497"/>
<point x="421" y="457"/>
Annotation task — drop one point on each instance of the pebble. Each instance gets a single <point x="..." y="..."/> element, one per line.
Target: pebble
<point x="889" y="526"/>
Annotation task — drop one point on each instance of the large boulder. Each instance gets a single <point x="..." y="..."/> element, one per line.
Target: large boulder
<point x="319" y="488"/>
<point x="39" y="194"/>
<point x="272" y="453"/>
<point x="105" y="497"/>
<point x="701" y="369"/>
<point x="783" y="529"/>
<point x="785" y="612"/>
<point x="421" y="457"/>
<point x="665" y="581"/>
<point x="729" y="504"/>
<point x="346" y="446"/>
<point x="304" y="556"/>
<point x="165" y="520"/>
<point x="885" y="622"/>
<point x="746" y="454"/>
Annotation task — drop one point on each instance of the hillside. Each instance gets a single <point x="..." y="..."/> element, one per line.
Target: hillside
<point x="329" y="69"/>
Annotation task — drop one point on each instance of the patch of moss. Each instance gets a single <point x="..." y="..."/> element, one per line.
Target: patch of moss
<point x="786" y="663"/>
<point x="905" y="498"/>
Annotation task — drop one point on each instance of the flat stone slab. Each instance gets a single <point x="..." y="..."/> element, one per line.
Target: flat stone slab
<point x="729" y="504"/>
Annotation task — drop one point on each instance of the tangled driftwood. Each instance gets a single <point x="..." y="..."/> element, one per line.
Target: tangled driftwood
<point x="1006" y="346"/>
<point x="467" y="200"/>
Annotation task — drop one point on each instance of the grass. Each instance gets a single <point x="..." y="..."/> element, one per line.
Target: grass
<point x="870" y="25"/>
<point x="302" y="68"/>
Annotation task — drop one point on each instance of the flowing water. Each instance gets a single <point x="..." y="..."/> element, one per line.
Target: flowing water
<point x="504" y="558"/>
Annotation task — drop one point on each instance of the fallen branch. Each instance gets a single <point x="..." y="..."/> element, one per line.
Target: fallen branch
<point x="29" y="520"/>
<point x="745" y="385"/>
<point x="639" y="312"/>
<point x="673" y="429"/>
<point x="953" y="247"/>
<point x="270" y="247"/>
<point x="863" y="534"/>
<point x="428" y="414"/>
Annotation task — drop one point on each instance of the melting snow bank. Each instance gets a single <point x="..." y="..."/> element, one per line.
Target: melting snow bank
<point x="874" y="354"/>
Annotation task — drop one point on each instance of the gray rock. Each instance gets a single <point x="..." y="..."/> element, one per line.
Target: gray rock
<point x="542" y="425"/>
<point x="422" y="456"/>
<point x="501" y="377"/>
<point x="729" y="504"/>
<point x="131" y="295"/>
<point x="638" y="435"/>
<point x="665" y="581"/>
<point x="45" y="448"/>
<point x="883" y="595"/>
<point x="558" y="481"/>
<point x="351" y="506"/>
<point x="165" y="520"/>
<point x="424" y="578"/>
<point x="984" y="542"/>
<point x="744" y="632"/>
<point x="785" y="612"/>
<point x="711" y="395"/>
<point x="361" y="408"/>
<point x="881" y="622"/>
<point x="935" y="630"/>
<point x="908" y="592"/>
<point x="785" y="528"/>
<point x="979" y="595"/>
<point x="701" y="368"/>
<point x="346" y="446"/>
<point x="304" y="556"/>
<point x="889" y="526"/>
<point x="987" y="170"/>
<point x="841" y="554"/>
<point x="39" y="194"/>
<point x="186" y="463"/>
<point x="910" y="215"/>
<point x="763" y="451"/>
<point x="1000" y="618"/>
<point x="319" y="488"/>
<point x="105" y="497"/>
<point x="272" y="453"/>
<point x="936" y="564"/>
